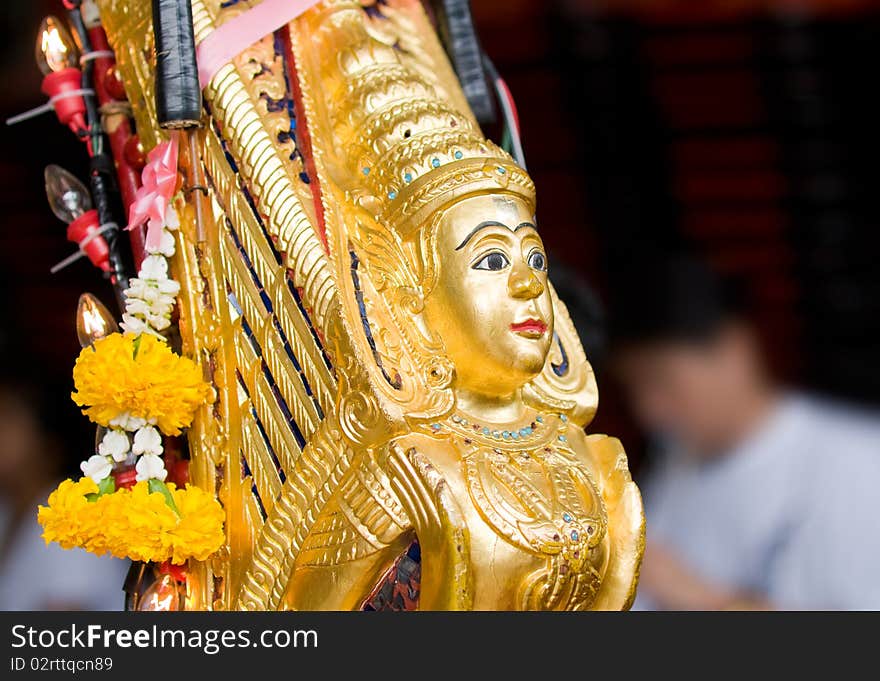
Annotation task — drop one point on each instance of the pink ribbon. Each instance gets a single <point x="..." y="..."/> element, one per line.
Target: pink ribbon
<point x="230" y="39"/>
<point x="151" y="201"/>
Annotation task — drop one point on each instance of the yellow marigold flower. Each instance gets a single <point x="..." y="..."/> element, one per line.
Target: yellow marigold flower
<point x="69" y="517"/>
<point x="139" y="375"/>
<point x="134" y="523"/>
<point x="200" y="530"/>
<point x="141" y="523"/>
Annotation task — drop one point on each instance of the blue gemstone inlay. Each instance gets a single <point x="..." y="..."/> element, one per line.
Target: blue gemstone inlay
<point x="366" y="171"/>
<point x="458" y="155"/>
<point x="506" y="434"/>
<point x="496" y="433"/>
<point x="392" y="195"/>
<point x="501" y="171"/>
<point x="566" y="517"/>
<point x="574" y="535"/>
<point x="525" y="431"/>
<point x="435" y="162"/>
<point x="539" y="419"/>
<point x="408" y="177"/>
<point x="514" y="435"/>
<point x="435" y="426"/>
<point x="563" y="418"/>
<point x="486" y="431"/>
<point x="562" y="438"/>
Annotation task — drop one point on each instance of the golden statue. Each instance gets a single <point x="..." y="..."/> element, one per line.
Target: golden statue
<point x="371" y="301"/>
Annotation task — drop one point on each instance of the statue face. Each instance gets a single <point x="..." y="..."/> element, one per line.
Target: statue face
<point x="491" y="303"/>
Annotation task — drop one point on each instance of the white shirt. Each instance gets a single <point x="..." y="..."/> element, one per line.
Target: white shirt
<point x="34" y="576"/>
<point x="793" y="513"/>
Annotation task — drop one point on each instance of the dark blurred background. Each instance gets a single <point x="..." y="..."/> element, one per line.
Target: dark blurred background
<point x="744" y="131"/>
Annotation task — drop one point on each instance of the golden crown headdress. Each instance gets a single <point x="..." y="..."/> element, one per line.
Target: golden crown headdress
<point x="412" y="149"/>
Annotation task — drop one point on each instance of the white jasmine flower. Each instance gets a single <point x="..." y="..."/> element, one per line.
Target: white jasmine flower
<point x="158" y="322"/>
<point x="133" y="325"/>
<point x="150" y="466"/>
<point x="172" y="219"/>
<point x="147" y="441"/>
<point x="115" y="444"/>
<point x="168" y="286"/>
<point x="165" y="246"/>
<point x="128" y="422"/>
<point x="154" y="267"/>
<point x="136" y="288"/>
<point x="151" y="294"/>
<point x="97" y="467"/>
<point x="136" y="306"/>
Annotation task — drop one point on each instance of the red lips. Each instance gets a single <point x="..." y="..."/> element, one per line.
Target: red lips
<point x="530" y="326"/>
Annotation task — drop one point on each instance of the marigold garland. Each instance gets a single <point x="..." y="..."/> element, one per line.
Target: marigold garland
<point x="134" y="523"/>
<point x="140" y="375"/>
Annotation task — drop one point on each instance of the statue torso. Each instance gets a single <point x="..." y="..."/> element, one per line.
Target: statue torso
<point x="533" y="509"/>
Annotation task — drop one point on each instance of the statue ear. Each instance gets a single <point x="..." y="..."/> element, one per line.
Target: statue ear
<point x="566" y="383"/>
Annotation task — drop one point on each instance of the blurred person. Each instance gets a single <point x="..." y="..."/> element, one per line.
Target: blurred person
<point x="34" y="576"/>
<point x="760" y="497"/>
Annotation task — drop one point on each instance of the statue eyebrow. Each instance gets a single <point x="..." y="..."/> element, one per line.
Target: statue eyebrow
<point x="491" y="223"/>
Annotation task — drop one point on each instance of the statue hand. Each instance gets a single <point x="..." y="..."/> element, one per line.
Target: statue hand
<point x="440" y="528"/>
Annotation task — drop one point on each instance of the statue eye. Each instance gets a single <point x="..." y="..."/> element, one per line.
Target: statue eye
<point x="537" y="261"/>
<point x="494" y="261"/>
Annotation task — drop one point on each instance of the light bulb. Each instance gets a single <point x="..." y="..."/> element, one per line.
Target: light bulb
<point x="67" y="196"/>
<point x="56" y="49"/>
<point x="163" y="595"/>
<point x="93" y="320"/>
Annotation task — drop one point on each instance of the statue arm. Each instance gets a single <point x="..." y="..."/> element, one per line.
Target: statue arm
<point x="626" y="522"/>
<point x="354" y="541"/>
<point x="369" y="522"/>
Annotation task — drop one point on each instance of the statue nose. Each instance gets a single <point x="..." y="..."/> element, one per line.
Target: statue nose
<point x="523" y="283"/>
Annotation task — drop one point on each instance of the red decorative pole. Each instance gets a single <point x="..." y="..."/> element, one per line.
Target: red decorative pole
<point x="111" y="98"/>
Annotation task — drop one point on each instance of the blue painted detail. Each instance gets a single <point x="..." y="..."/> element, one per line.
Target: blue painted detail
<point x="560" y="369"/>
<point x="245" y="472"/>
<point x="397" y="381"/>
<point x="375" y="10"/>
<point x="305" y="315"/>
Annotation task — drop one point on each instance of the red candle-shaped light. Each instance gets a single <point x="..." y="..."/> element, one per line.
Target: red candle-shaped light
<point x="71" y="203"/>
<point x="58" y="58"/>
